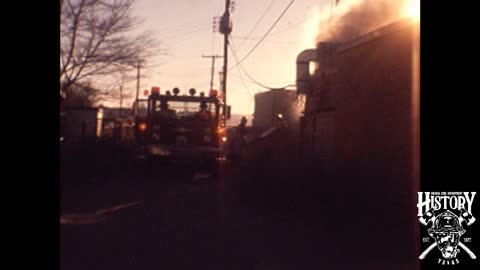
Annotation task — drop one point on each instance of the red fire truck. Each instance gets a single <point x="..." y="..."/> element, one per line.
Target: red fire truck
<point x="183" y="128"/>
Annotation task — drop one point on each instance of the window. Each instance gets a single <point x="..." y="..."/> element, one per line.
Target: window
<point x="141" y="108"/>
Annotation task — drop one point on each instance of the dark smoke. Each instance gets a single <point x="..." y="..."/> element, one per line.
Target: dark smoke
<point x="353" y="18"/>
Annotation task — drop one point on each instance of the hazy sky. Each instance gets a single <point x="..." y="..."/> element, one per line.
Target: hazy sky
<point x="184" y="28"/>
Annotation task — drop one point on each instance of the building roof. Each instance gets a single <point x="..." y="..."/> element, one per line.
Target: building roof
<point x="276" y="91"/>
<point x="113" y="113"/>
<point x="375" y="34"/>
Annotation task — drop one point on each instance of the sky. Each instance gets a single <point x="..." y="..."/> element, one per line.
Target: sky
<point x="184" y="30"/>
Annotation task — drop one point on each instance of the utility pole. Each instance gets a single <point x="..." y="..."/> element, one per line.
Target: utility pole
<point x="138" y="80"/>
<point x="220" y="76"/>
<point x="138" y="88"/>
<point x="225" y="29"/>
<point x="213" y="67"/>
<point x="121" y="101"/>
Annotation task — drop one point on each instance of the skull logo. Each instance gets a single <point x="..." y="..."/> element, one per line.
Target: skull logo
<point x="446" y="230"/>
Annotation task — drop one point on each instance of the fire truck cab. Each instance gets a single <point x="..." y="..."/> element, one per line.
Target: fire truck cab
<point x="177" y="127"/>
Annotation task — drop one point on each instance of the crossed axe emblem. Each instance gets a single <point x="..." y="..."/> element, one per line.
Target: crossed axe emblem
<point x="429" y="216"/>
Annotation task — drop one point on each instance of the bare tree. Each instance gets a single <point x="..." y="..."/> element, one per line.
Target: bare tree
<point x="97" y="38"/>
<point x="81" y="95"/>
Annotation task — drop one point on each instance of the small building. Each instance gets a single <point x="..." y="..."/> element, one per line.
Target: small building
<point x="81" y="123"/>
<point x="117" y="123"/>
<point x="275" y="127"/>
<point x="270" y="104"/>
<point x="116" y="113"/>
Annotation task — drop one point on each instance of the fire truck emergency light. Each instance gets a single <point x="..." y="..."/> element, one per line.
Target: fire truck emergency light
<point x="155" y="90"/>
<point x="176" y="91"/>
<point x="213" y="93"/>
<point x="142" y="127"/>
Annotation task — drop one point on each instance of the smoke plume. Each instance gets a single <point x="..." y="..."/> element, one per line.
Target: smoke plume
<point x="352" y="18"/>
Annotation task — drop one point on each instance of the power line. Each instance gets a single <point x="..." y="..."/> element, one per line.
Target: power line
<point x="242" y="80"/>
<point x="242" y="37"/>
<point x="168" y="29"/>
<point x="266" y="40"/>
<point x="183" y="34"/>
<point x="246" y="88"/>
<point x="250" y="77"/>
<point x="258" y="21"/>
<point x="264" y="36"/>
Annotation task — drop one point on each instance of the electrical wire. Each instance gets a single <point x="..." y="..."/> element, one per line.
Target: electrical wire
<point x="250" y="77"/>
<point x="258" y="21"/>
<point x="184" y="34"/>
<point x="264" y="36"/>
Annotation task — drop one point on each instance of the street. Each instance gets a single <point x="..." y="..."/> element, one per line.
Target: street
<point x="183" y="221"/>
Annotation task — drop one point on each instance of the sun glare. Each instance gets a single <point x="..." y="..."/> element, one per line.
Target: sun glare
<point x="412" y="9"/>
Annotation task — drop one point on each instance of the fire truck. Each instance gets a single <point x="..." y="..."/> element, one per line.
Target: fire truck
<point x="180" y="128"/>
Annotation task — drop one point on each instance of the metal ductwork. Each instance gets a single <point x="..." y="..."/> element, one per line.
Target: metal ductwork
<point x="303" y="69"/>
<point x="322" y="56"/>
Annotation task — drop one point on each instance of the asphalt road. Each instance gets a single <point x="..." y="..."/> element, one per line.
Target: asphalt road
<point x="178" y="221"/>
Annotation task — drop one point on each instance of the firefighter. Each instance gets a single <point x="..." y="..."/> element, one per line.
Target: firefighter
<point x="237" y="144"/>
<point x="203" y="114"/>
<point x="242" y="131"/>
<point x="165" y="112"/>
